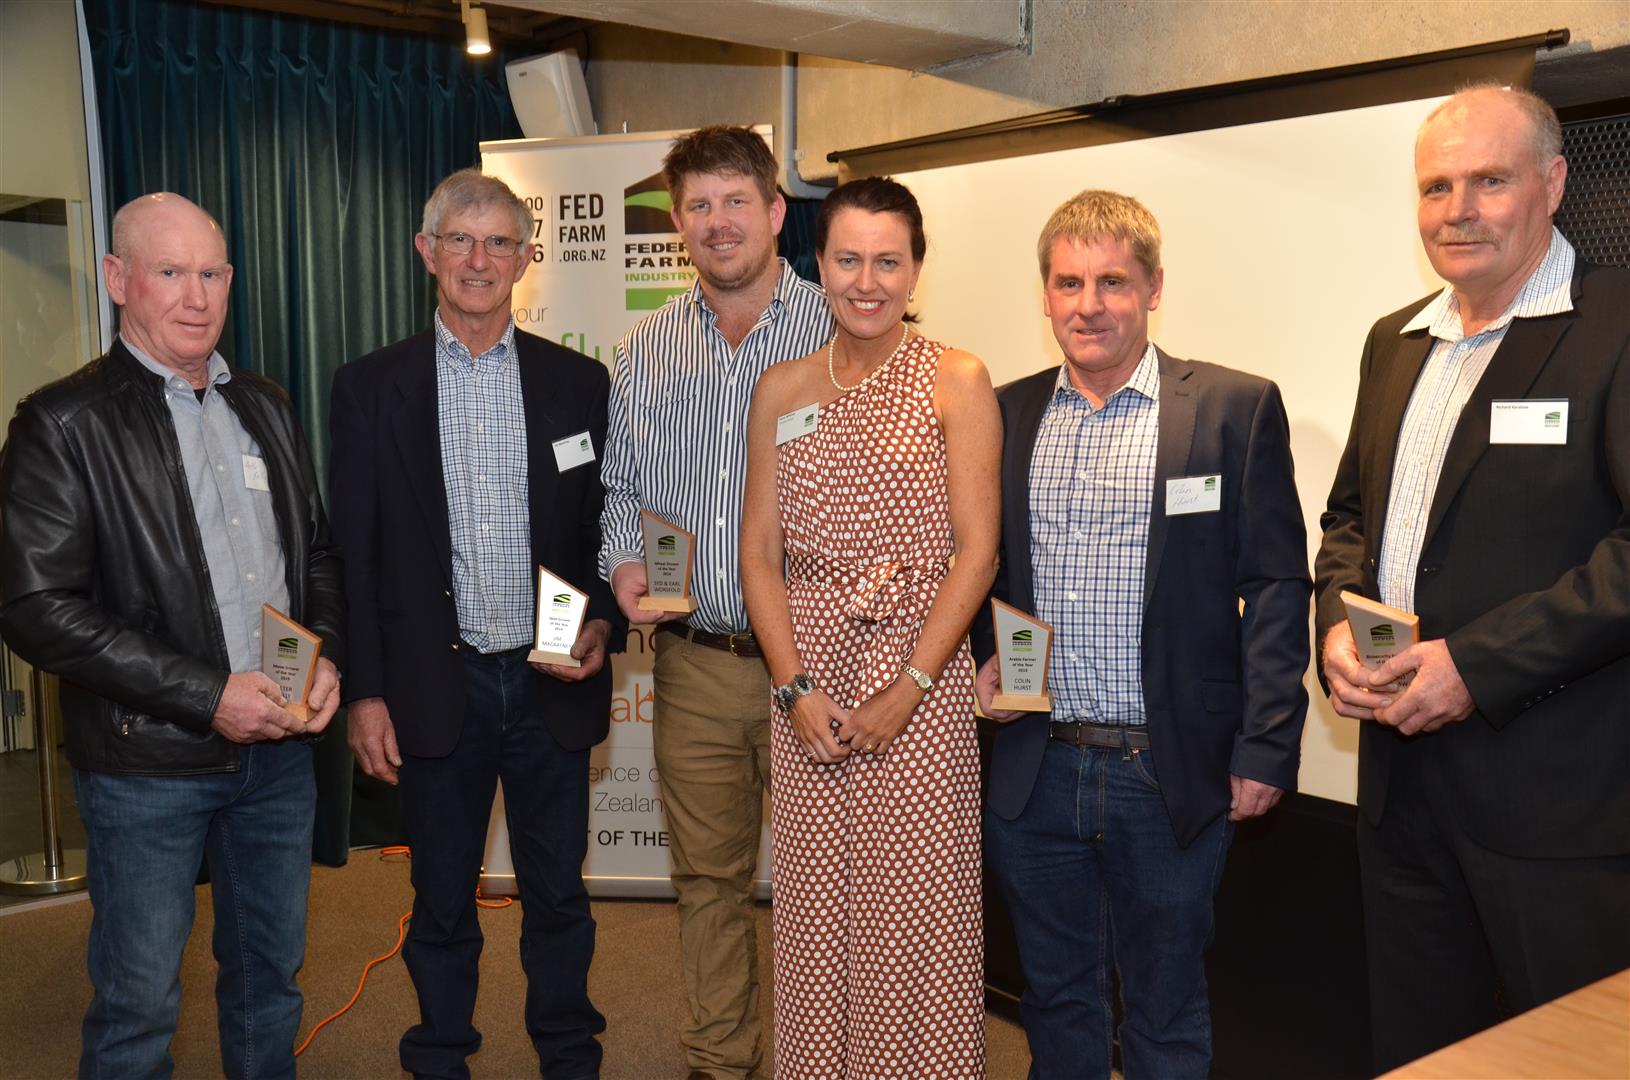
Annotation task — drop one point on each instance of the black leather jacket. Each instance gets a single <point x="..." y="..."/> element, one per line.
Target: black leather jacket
<point x="103" y="579"/>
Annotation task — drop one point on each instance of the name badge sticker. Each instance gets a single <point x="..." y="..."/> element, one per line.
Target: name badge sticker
<point x="573" y="450"/>
<point x="254" y="474"/>
<point x="1193" y="494"/>
<point x="1529" y="422"/>
<point x="797" y="423"/>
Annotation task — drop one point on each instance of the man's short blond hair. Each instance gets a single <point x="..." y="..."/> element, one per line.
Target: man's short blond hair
<point x="1102" y="215"/>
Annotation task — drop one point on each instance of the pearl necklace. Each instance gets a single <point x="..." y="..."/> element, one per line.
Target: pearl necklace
<point x="831" y="371"/>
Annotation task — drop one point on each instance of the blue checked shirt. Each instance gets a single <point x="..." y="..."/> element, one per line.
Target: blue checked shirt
<point x="677" y="437"/>
<point x="1451" y="372"/>
<point x="1092" y="479"/>
<point x="235" y="519"/>
<point x="483" y="463"/>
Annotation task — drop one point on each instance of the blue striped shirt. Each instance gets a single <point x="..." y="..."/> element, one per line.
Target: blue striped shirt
<point x="1452" y="371"/>
<point x="677" y="438"/>
<point x="1092" y="480"/>
<point x="483" y="463"/>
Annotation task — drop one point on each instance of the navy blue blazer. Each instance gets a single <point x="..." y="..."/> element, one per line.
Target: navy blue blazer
<point x="390" y="523"/>
<point x="1222" y="685"/>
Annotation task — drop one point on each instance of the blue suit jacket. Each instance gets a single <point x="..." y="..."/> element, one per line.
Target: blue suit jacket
<point x="390" y="522"/>
<point x="1222" y="687"/>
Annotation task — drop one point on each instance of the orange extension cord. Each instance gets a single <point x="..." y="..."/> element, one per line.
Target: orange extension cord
<point x="401" y="936"/>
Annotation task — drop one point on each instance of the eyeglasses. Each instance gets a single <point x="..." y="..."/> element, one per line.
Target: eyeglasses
<point x="457" y="243"/>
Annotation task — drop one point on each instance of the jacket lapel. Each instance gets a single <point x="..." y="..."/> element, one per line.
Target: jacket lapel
<point x="1389" y="394"/>
<point x="1027" y="414"/>
<point x="416" y="428"/>
<point x="1178" y="405"/>
<point x="541" y="470"/>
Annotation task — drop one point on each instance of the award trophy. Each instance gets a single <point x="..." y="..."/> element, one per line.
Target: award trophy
<point x="288" y="656"/>
<point x="669" y="551"/>
<point x="560" y="618"/>
<point x="1380" y="632"/>
<point x="1023" y="649"/>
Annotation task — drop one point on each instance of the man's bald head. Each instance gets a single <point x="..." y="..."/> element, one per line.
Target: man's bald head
<point x="1544" y="129"/>
<point x="135" y="219"/>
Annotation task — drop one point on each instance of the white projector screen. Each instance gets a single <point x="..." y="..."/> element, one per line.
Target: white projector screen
<point x="1282" y="242"/>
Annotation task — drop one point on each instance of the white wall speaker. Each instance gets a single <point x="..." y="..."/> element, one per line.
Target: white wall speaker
<point x="550" y="97"/>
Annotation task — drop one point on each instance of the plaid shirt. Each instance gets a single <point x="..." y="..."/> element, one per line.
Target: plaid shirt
<point x="1450" y="374"/>
<point x="483" y="463"/>
<point x="1092" y="479"/>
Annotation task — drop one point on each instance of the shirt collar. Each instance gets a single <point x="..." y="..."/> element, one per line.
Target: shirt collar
<point x="217" y="371"/>
<point x="448" y="343"/>
<point x="1548" y="291"/>
<point x="1145" y="378"/>
<point x="785" y="283"/>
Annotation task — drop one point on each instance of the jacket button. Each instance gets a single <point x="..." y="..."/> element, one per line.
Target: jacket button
<point x="455" y="646"/>
<point x="447" y="593"/>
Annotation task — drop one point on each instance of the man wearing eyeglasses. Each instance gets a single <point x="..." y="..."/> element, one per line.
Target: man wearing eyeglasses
<point x="464" y="458"/>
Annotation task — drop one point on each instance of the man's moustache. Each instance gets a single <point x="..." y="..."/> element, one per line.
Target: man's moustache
<point x="1462" y="236"/>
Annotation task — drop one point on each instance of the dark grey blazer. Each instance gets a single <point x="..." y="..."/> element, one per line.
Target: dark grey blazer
<point x="1223" y="690"/>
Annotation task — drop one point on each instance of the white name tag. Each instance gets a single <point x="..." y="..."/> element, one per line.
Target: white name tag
<point x="1535" y="422"/>
<point x="573" y="450"/>
<point x="797" y="423"/>
<point x="254" y="474"/>
<point x="1193" y="494"/>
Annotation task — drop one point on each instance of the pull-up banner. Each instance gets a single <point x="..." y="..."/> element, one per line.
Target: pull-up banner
<point x="606" y="254"/>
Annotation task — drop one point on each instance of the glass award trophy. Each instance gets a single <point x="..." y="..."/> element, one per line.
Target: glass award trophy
<point x="560" y="619"/>
<point x="1023" y="649"/>
<point x="669" y="551"/>
<point x="288" y="656"/>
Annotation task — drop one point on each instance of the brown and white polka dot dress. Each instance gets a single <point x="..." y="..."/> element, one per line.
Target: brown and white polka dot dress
<point x="879" y="958"/>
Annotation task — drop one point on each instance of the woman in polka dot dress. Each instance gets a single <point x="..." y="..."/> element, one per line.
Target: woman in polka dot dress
<point x="874" y="764"/>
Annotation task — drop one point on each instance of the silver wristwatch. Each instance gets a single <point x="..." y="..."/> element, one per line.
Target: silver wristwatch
<point x="924" y="683"/>
<point x="800" y="685"/>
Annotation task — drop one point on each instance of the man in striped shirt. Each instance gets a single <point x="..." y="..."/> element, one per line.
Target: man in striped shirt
<point x="676" y="447"/>
<point x="1486" y="488"/>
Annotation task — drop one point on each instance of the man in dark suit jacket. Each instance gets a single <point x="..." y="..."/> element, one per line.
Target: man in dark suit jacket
<point x="1486" y="487"/>
<point x="1144" y="498"/>
<point x="464" y="458"/>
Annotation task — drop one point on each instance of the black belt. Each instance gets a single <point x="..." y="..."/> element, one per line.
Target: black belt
<point x="1110" y="736"/>
<point x="734" y="644"/>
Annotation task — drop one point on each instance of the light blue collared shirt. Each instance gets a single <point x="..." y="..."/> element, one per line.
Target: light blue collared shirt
<point x="231" y="505"/>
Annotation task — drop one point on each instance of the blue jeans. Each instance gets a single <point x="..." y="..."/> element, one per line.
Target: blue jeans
<point x="446" y="805"/>
<point x="1093" y="877"/>
<point x="145" y="838"/>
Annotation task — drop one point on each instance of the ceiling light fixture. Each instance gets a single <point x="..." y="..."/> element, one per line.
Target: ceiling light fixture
<point x="476" y="42"/>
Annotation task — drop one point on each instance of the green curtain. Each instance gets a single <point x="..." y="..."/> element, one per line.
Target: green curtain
<point x="315" y="144"/>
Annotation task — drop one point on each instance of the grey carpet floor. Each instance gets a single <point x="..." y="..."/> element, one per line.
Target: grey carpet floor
<point x="354" y="911"/>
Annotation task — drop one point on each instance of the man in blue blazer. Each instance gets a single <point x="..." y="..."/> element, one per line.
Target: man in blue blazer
<point x="464" y="458"/>
<point x="1150" y="517"/>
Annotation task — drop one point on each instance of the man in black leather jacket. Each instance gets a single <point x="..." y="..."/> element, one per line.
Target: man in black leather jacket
<point x="150" y="503"/>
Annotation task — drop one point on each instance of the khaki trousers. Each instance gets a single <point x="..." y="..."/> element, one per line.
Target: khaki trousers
<point x="711" y="741"/>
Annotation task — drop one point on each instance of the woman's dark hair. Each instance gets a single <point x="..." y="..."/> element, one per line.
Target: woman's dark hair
<point x="877" y="195"/>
